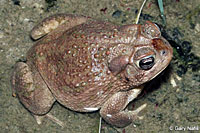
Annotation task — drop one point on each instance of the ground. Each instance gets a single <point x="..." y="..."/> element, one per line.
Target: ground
<point x="172" y="98"/>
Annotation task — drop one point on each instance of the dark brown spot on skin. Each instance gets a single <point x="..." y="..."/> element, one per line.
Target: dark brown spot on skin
<point x="96" y="73"/>
<point x="68" y="51"/>
<point x="82" y="36"/>
<point x="124" y="50"/>
<point x="83" y="83"/>
<point x="158" y="44"/>
<point x="96" y="55"/>
<point x="74" y="46"/>
<point x="75" y="35"/>
<point x="99" y="61"/>
<point x="107" y="52"/>
<point x="108" y="72"/>
<point x="100" y="48"/>
<point x="41" y="53"/>
<point x="110" y="36"/>
<point x="102" y="66"/>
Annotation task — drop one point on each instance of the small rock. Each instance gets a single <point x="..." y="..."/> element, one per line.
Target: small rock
<point x="197" y="27"/>
<point x="117" y="14"/>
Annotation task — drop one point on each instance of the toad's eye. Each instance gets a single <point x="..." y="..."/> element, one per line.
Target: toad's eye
<point x="146" y="63"/>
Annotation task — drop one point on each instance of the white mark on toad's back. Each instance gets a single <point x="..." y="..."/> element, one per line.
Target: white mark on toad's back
<point x="91" y="109"/>
<point x="109" y="115"/>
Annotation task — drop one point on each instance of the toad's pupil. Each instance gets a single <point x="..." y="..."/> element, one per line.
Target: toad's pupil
<point x="146" y="63"/>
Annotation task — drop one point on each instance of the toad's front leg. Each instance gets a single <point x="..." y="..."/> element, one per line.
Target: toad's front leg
<point x="113" y="110"/>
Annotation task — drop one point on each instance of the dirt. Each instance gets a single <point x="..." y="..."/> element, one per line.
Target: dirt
<point x="173" y="97"/>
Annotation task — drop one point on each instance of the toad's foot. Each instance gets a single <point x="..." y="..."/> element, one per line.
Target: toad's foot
<point x="137" y="111"/>
<point x="113" y="110"/>
<point x="49" y="116"/>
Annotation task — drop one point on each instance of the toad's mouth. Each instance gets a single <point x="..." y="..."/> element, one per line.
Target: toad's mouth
<point x="160" y="71"/>
<point x="164" y="64"/>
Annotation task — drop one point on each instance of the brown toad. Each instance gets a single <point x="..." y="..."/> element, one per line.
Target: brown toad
<point x="87" y="65"/>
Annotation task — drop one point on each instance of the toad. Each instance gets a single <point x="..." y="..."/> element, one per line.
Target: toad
<point x="88" y="65"/>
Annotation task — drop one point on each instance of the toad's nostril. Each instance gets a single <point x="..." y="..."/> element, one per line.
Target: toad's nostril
<point x="163" y="52"/>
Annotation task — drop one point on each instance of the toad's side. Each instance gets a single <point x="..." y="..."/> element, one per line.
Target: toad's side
<point x="87" y="65"/>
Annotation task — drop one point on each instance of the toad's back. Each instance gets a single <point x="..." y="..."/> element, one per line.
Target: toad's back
<point x="75" y="65"/>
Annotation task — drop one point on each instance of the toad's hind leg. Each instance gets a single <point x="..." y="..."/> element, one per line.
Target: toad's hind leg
<point x="57" y="23"/>
<point x="32" y="91"/>
<point x="113" y="110"/>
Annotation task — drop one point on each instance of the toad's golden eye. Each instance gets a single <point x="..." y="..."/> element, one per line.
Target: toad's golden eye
<point x="146" y="63"/>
